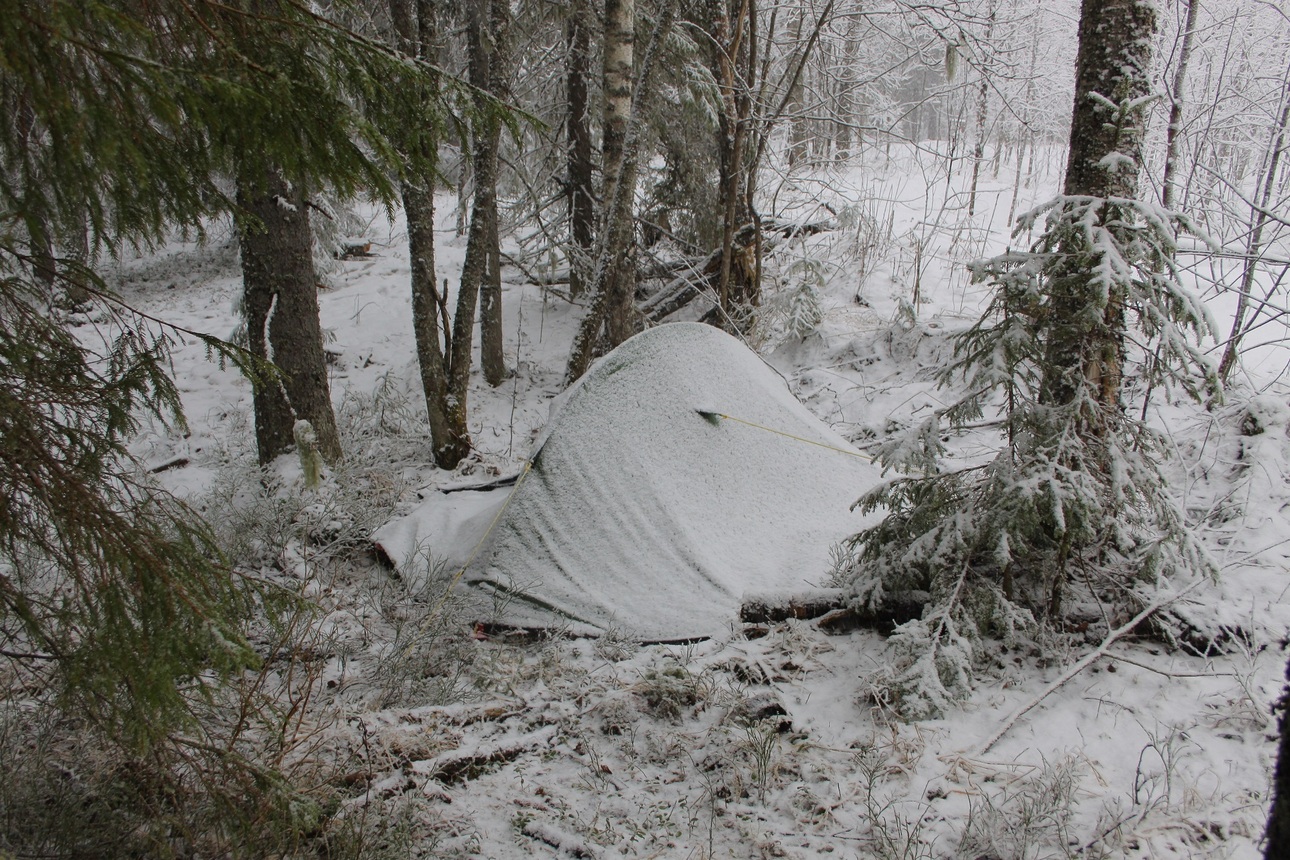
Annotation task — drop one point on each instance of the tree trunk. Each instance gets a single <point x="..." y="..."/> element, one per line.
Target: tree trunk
<point x="415" y="32"/>
<point x="1113" y="62"/>
<point x="619" y="279"/>
<point x="618" y="187"/>
<point x="579" y="191"/>
<point x="449" y="441"/>
<point x="982" y="106"/>
<point x="480" y="275"/>
<point x="281" y="305"/>
<point x="1173" y="134"/>
<point x="733" y="63"/>
<point x="1278" y="835"/>
<point x="846" y="136"/>
<point x="486" y="44"/>
<point x="797" y="135"/>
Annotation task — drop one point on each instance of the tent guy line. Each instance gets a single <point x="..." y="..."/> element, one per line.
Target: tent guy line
<point x="713" y="416"/>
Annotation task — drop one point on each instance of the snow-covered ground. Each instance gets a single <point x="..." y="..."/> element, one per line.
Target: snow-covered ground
<point x="770" y="740"/>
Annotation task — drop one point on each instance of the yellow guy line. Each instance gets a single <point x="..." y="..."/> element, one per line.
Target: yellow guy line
<point x="711" y="415"/>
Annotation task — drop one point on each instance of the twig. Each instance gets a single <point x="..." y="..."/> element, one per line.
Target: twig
<point x="1082" y="664"/>
<point x="1166" y="672"/>
<point x="24" y="655"/>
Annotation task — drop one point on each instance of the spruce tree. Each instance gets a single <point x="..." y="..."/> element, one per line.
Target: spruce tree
<point x="112" y="593"/>
<point x="1076" y="492"/>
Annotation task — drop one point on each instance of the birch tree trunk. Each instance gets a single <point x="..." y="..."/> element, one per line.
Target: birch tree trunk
<point x="607" y="318"/>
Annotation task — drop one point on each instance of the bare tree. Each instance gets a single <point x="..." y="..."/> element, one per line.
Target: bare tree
<point x="486" y="39"/>
<point x="982" y="106"/>
<point x="1260" y="216"/>
<point x="1177" y="96"/>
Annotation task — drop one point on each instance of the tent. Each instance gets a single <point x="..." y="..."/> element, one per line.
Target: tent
<point x="676" y="478"/>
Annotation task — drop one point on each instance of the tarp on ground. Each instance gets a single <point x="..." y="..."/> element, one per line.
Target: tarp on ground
<point x="646" y="512"/>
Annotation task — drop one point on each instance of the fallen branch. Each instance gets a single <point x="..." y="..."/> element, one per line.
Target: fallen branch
<point x="177" y="462"/>
<point x="461" y="765"/>
<point x="558" y="839"/>
<point x="1082" y="664"/>
<point x="1166" y="672"/>
<point x="769" y="608"/>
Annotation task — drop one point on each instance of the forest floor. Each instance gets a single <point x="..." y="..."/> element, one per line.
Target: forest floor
<point x="771" y="740"/>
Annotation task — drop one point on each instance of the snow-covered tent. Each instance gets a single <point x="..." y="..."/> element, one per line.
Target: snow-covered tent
<point x="676" y="477"/>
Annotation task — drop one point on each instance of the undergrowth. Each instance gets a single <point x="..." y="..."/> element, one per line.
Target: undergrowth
<point x="261" y="763"/>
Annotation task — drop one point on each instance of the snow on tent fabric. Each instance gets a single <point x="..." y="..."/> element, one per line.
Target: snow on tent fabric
<point x="646" y="512"/>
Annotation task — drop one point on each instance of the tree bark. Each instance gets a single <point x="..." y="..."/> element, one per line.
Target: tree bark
<point x="281" y="305"/>
<point x="1114" y="62"/>
<point x="733" y="63"/>
<point x="415" y="34"/>
<point x="611" y="318"/>
<point x="579" y="191"/>
<point x="486" y="46"/>
<point x="1173" y="134"/>
<point x="607" y="319"/>
<point x="1112" y="68"/>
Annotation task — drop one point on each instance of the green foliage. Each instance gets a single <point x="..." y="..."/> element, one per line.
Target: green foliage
<point x="109" y="588"/>
<point x="133" y="112"/>
<point x="805" y="312"/>
<point x="680" y="120"/>
<point x="1076" y="490"/>
<point x="128" y="120"/>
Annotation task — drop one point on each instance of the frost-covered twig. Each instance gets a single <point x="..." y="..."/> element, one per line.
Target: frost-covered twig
<point x="1166" y="672"/>
<point x="1083" y="664"/>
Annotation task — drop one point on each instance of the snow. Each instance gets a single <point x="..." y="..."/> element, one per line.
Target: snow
<point x="603" y="747"/>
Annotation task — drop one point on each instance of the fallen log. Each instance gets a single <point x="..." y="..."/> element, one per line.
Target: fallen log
<point x="468" y="763"/>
